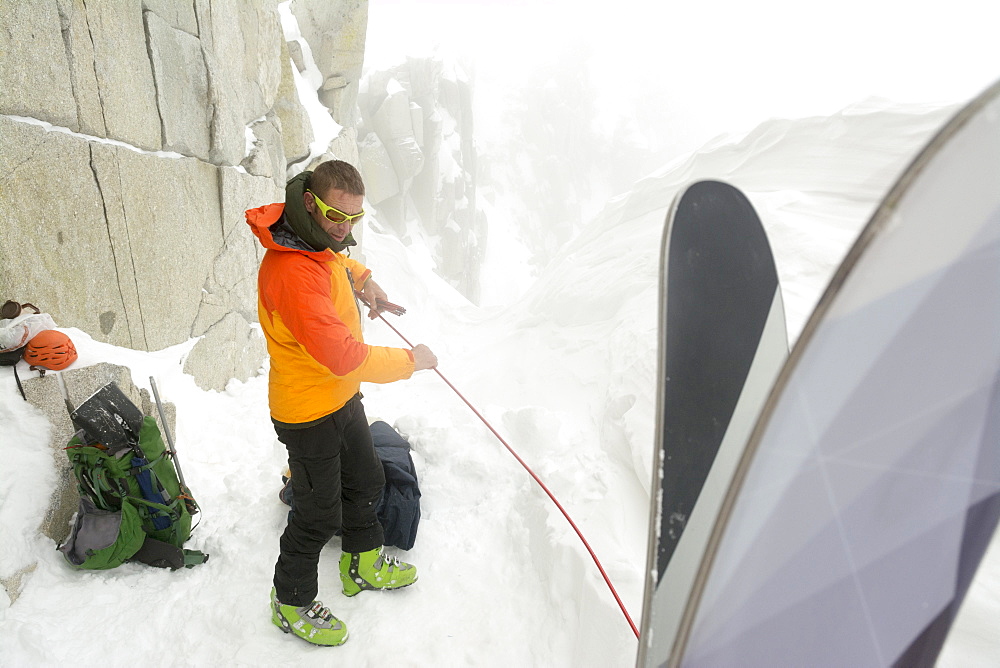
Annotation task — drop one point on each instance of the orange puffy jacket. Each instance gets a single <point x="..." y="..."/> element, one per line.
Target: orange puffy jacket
<point x="312" y="323"/>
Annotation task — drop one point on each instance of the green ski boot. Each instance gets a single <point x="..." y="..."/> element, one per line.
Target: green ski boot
<point x="374" y="570"/>
<point x="313" y="623"/>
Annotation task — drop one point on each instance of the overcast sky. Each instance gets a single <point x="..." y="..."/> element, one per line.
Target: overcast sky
<point x="687" y="71"/>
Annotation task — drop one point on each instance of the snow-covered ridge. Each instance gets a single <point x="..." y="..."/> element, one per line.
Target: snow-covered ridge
<point x="808" y="177"/>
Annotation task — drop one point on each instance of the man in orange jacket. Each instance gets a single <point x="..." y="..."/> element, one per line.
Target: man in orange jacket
<point x="312" y="323"/>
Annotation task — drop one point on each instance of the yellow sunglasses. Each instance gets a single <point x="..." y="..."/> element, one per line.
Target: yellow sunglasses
<point x="337" y="216"/>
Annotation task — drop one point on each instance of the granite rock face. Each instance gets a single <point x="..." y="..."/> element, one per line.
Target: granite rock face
<point x="336" y="33"/>
<point x="177" y="13"/>
<point x="227" y="314"/>
<point x="124" y="73"/>
<point x="65" y="264"/>
<point x="418" y="159"/>
<point x="296" y="128"/>
<point x="181" y="88"/>
<point x="241" y="42"/>
<point x="79" y="49"/>
<point x="267" y="155"/>
<point x="121" y="123"/>
<point x="175" y="232"/>
<point x="232" y="330"/>
<point x="381" y="182"/>
<point x="31" y="40"/>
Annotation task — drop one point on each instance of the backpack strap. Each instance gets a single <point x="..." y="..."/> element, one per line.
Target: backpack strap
<point x="152" y="493"/>
<point x="11" y="358"/>
<point x="17" y="379"/>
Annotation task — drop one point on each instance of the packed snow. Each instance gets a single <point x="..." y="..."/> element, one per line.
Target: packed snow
<point x="562" y="361"/>
<point x="567" y="374"/>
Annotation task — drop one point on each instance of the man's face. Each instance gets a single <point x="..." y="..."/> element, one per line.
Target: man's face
<point x="340" y="200"/>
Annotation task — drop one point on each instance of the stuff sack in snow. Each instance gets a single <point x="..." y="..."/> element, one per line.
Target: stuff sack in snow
<point x="16" y="332"/>
<point x="398" y="508"/>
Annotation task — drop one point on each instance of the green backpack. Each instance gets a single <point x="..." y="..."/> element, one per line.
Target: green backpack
<point x="132" y="505"/>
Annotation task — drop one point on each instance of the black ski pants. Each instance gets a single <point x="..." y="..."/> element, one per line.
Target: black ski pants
<point x="336" y="479"/>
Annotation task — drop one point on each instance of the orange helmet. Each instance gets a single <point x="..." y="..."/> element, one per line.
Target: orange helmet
<point x="50" y="349"/>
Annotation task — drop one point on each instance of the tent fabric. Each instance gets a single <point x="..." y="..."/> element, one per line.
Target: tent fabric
<point x="872" y="483"/>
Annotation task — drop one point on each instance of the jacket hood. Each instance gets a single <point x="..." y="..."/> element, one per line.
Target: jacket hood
<point x="268" y="224"/>
<point x="303" y="224"/>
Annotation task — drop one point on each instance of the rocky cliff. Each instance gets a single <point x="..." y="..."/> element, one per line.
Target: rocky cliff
<point x="419" y="160"/>
<point x="133" y="135"/>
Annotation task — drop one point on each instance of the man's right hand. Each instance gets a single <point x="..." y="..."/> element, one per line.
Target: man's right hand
<point x="423" y="358"/>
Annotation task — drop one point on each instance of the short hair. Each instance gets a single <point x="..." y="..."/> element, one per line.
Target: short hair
<point x="336" y="175"/>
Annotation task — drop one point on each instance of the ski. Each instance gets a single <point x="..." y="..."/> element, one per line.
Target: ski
<point x="724" y="342"/>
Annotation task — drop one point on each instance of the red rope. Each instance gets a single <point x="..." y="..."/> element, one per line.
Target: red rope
<point x="537" y="479"/>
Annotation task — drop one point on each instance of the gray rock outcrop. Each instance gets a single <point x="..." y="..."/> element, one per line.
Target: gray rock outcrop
<point x="336" y="33"/>
<point x="42" y="56"/>
<point x="182" y="91"/>
<point x="419" y="162"/>
<point x="296" y="128"/>
<point x="123" y="217"/>
<point x="241" y="41"/>
<point x="124" y="73"/>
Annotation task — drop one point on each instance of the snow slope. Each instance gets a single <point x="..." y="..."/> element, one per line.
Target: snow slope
<point x="567" y="373"/>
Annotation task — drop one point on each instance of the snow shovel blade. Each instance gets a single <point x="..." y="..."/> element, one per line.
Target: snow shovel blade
<point x="109" y="418"/>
